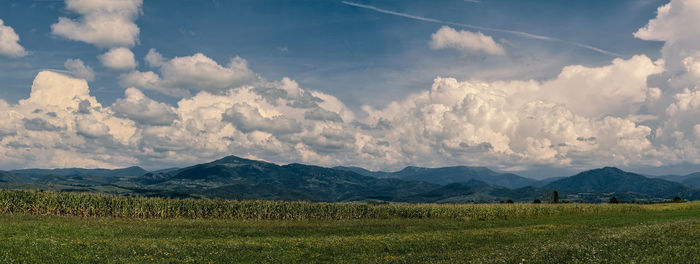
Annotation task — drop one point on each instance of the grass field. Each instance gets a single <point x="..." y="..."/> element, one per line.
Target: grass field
<point x="662" y="233"/>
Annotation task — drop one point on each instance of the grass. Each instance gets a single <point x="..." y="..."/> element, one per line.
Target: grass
<point x="662" y="233"/>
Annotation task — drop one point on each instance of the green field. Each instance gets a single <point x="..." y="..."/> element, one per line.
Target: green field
<point x="58" y="227"/>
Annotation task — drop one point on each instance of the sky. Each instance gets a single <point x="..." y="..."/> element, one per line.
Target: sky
<point x="543" y="88"/>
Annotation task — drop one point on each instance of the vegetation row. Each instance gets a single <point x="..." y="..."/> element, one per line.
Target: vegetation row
<point x="101" y="205"/>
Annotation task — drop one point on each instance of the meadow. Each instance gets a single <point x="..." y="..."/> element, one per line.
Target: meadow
<point x="67" y="227"/>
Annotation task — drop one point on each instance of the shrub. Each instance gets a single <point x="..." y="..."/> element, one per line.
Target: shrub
<point x="614" y="200"/>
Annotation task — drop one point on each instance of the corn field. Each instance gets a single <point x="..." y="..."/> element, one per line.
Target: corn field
<point x="102" y="205"/>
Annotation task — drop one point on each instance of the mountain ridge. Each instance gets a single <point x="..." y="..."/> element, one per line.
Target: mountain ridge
<point x="234" y="177"/>
<point x="121" y="172"/>
<point x="451" y="174"/>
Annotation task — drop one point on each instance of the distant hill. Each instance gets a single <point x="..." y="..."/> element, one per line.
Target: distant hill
<point x="239" y="178"/>
<point x="673" y="178"/>
<point x="8" y="177"/>
<point x="546" y="181"/>
<point x="124" y="172"/>
<point x="692" y="179"/>
<point x="609" y="179"/>
<point x="365" y="172"/>
<point x="448" y="175"/>
<point x="475" y="191"/>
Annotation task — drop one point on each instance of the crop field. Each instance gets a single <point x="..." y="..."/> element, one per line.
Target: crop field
<point x="63" y="227"/>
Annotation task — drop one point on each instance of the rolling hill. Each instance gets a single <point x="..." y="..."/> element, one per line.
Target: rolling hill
<point x="124" y="172"/>
<point x="238" y="178"/>
<point x="621" y="183"/>
<point x="448" y="175"/>
<point x="692" y="179"/>
<point x="475" y="191"/>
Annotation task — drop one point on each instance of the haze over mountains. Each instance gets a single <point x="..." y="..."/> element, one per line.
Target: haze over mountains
<point x="238" y="178"/>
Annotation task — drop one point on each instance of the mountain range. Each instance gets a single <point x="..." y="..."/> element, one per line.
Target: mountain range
<point x="447" y="175"/>
<point x="238" y="178"/>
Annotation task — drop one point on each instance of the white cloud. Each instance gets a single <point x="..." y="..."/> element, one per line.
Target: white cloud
<point x="583" y="117"/>
<point x="180" y="75"/>
<point x="494" y="123"/>
<point x="616" y="89"/>
<point x="146" y="80"/>
<point x="687" y="101"/>
<point x="103" y="23"/>
<point x="61" y="125"/>
<point x="499" y="123"/>
<point x="91" y="128"/>
<point x="9" y="42"/>
<point x="153" y="58"/>
<point x="465" y="41"/>
<point x="247" y="119"/>
<point x="119" y="59"/>
<point x="675" y="21"/>
<point x="78" y="69"/>
<point x="678" y="25"/>
<point x="204" y="73"/>
<point x="136" y="106"/>
<point x="57" y="90"/>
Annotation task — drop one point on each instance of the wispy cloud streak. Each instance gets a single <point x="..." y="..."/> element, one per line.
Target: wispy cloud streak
<point x="513" y="32"/>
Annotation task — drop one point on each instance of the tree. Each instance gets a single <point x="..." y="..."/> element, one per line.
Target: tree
<point x="537" y="201"/>
<point x="510" y="201"/>
<point x="555" y="197"/>
<point x="614" y="200"/>
<point x="677" y="199"/>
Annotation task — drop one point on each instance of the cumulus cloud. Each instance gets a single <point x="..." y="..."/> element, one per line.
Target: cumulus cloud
<point x="56" y="90"/>
<point x="61" y="124"/>
<point x="455" y="122"/>
<point x="78" y="69"/>
<point x="465" y="41"/>
<point x="687" y="101"/>
<point x="247" y="119"/>
<point x="617" y="89"/>
<point x="9" y="42"/>
<point x="118" y="59"/>
<point x="322" y="115"/>
<point x="153" y="58"/>
<point x="677" y="24"/>
<point x="103" y="23"/>
<point x="455" y="119"/>
<point x="38" y="124"/>
<point x="56" y="126"/>
<point x="145" y="80"/>
<point x="90" y="128"/>
<point x="136" y="106"/>
<point x="180" y="75"/>
<point x="583" y="117"/>
<point x="201" y="71"/>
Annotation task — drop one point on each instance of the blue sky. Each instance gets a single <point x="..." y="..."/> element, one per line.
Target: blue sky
<point x="368" y="83"/>
<point x="340" y="49"/>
